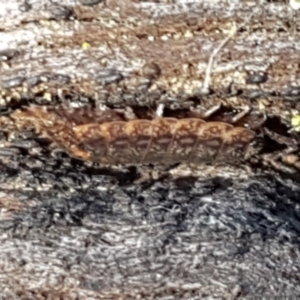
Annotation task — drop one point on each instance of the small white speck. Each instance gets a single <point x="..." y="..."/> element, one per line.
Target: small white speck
<point x="295" y="4"/>
<point x="160" y="110"/>
<point x="102" y="188"/>
<point x="102" y="107"/>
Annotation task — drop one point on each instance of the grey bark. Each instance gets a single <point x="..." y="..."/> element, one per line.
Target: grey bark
<point x="73" y="230"/>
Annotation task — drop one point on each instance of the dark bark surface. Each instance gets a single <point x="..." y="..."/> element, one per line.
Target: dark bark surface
<point x="73" y="230"/>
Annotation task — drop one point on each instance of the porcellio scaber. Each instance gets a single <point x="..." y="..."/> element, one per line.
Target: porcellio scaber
<point x="107" y="139"/>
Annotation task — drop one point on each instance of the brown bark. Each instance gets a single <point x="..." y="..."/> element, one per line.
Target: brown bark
<point x="73" y="45"/>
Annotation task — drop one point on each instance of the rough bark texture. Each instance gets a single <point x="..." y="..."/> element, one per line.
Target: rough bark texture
<point x="73" y="230"/>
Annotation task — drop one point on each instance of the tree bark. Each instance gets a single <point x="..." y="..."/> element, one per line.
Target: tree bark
<point x="73" y="230"/>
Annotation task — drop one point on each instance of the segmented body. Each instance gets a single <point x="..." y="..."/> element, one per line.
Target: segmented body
<point x="141" y="141"/>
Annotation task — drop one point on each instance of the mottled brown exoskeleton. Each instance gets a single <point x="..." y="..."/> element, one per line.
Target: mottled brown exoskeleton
<point x="109" y="138"/>
<point x="105" y="138"/>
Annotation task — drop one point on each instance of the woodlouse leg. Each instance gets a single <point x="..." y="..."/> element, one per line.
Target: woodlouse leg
<point x="211" y="111"/>
<point x="214" y="109"/>
<point x="246" y="110"/>
<point x="252" y="122"/>
<point x="285" y="157"/>
<point x="195" y="113"/>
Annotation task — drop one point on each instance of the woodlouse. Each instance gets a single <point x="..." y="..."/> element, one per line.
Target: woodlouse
<point x="158" y="141"/>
